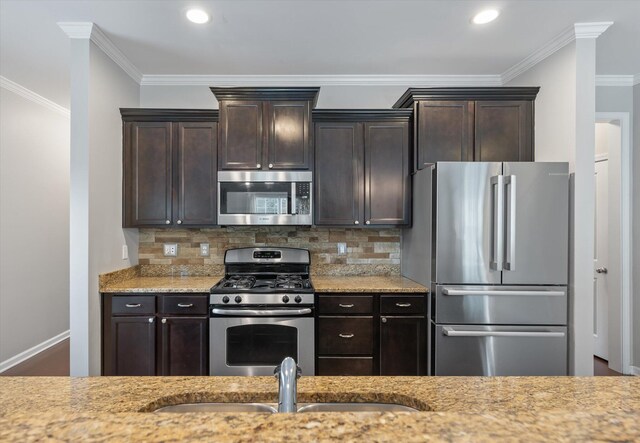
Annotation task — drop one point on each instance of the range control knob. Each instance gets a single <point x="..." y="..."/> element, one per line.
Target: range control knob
<point x="298" y="299"/>
<point x="225" y="299"/>
<point x="238" y="299"/>
<point x="285" y="299"/>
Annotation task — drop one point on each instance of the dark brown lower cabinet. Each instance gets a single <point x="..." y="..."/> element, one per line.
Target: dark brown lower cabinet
<point x="132" y="346"/>
<point x="403" y="345"/>
<point x="183" y="346"/>
<point x="371" y="334"/>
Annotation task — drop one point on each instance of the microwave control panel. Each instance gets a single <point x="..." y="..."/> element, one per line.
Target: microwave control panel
<point x="303" y="190"/>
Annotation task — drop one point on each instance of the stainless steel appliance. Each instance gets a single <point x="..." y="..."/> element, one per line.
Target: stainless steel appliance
<point x="499" y="267"/>
<point x="265" y="198"/>
<point x="262" y="312"/>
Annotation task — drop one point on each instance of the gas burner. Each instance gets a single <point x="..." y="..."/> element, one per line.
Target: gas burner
<point x="285" y="281"/>
<point x="240" y="282"/>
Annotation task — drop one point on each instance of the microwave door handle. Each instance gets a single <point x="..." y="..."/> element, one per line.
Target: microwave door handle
<point x="293" y="198"/>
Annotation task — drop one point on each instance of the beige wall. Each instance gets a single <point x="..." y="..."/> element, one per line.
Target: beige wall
<point x="369" y="251"/>
<point x="34" y="224"/>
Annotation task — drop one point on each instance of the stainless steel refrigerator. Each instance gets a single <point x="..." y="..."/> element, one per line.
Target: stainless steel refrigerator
<point x="497" y="243"/>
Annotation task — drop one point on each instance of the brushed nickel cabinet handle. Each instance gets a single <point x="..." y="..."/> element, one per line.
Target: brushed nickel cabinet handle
<point x="258" y="165"/>
<point x="346" y="335"/>
<point x="368" y="222"/>
<point x="384" y="319"/>
<point x="167" y="222"/>
<point x="151" y="320"/>
<point x="185" y="305"/>
<point x="403" y="305"/>
<point x="356" y="222"/>
<point x="179" y="222"/>
<point x="270" y="165"/>
<point x="133" y="305"/>
<point x="342" y="305"/>
<point x="164" y="320"/>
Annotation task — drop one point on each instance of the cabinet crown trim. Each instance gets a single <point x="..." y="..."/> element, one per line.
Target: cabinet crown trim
<point x="487" y="93"/>
<point x="157" y="114"/>
<point x="361" y="114"/>
<point x="271" y="93"/>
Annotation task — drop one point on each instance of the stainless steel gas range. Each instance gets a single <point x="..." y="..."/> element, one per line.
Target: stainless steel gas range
<point x="262" y="312"/>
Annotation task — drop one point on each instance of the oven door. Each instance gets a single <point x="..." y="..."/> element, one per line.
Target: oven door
<point x="254" y="341"/>
<point x="264" y="198"/>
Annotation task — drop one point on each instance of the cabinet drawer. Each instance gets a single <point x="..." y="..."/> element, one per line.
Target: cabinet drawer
<point x="343" y="305"/>
<point x="184" y="304"/>
<point x="345" y="335"/>
<point x="345" y="365"/>
<point x="133" y="305"/>
<point x="394" y="304"/>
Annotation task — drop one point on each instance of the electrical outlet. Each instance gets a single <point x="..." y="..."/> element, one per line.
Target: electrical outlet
<point x="125" y="252"/>
<point x="170" y="249"/>
<point x="204" y="249"/>
<point x="342" y="249"/>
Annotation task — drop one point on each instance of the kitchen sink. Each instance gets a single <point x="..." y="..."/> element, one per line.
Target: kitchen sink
<point x="270" y="408"/>
<point x="221" y="407"/>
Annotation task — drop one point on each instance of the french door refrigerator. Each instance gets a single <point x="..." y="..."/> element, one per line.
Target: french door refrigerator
<point x="499" y="268"/>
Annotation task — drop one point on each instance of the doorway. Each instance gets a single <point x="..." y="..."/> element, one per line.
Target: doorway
<point x="612" y="254"/>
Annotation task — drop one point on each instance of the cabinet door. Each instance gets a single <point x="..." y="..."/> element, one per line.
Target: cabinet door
<point x="338" y="173"/>
<point x="196" y="173"/>
<point x="503" y="131"/>
<point x="241" y="135"/>
<point x="402" y="345"/>
<point x="387" y="180"/>
<point x="289" y="140"/>
<point x="132" y="346"/>
<point x="184" y="346"/>
<point x="444" y="132"/>
<point x="148" y="158"/>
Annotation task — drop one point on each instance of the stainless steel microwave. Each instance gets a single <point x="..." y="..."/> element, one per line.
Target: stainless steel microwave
<point x="265" y="198"/>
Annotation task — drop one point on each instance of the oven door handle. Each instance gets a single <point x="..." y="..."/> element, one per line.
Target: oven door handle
<point x="261" y="312"/>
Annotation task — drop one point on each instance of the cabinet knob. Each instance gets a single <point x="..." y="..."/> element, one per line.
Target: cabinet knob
<point x="258" y="165"/>
<point x="270" y="165"/>
<point x="167" y="222"/>
<point x="356" y="222"/>
<point x="164" y="320"/>
<point x="151" y="320"/>
<point x="383" y="319"/>
<point x="366" y="223"/>
<point x="179" y="222"/>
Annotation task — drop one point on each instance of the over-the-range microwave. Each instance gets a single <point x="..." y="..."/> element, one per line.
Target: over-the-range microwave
<point x="265" y="198"/>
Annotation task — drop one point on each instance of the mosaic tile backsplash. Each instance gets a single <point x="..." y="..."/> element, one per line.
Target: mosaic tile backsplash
<point x="369" y="251"/>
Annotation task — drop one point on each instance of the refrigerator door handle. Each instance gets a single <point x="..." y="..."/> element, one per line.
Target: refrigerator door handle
<point x="450" y="332"/>
<point x="524" y="292"/>
<point x="510" y="250"/>
<point x="497" y="182"/>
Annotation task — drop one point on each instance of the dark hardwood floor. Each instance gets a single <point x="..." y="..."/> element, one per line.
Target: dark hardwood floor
<point x="52" y="361"/>
<point x="601" y="367"/>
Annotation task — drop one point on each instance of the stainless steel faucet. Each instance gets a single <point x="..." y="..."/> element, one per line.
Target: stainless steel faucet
<point x="287" y="374"/>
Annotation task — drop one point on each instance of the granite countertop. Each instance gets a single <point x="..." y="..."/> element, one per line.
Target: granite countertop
<point x="454" y="409"/>
<point x="322" y="283"/>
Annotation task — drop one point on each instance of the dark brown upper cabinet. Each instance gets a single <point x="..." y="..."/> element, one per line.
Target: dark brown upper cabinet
<point x="362" y="167"/>
<point x="265" y="128"/>
<point x="169" y="167"/>
<point x="471" y="124"/>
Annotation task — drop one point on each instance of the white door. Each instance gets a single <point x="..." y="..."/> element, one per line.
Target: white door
<point x="600" y="262"/>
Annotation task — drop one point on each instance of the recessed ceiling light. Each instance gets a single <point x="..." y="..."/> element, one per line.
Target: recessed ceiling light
<point x="485" y="16"/>
<point x="197" y="16"/>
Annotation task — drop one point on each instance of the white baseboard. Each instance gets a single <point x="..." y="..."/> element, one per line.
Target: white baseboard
<point x="635" y="370"/>
<point x="17" y="359"/>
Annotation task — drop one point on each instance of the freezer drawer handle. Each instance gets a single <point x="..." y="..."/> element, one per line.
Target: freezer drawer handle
<point x="261" y="312"/>
<point x="448" y="291"/>
<point x="450" y="332"/>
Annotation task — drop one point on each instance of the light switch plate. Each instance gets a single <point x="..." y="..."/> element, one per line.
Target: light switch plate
<point x="170" y="249"/>
<point x="125" y="252"/>
<point x="342" y="249"/>
<point x="204" y="249"/>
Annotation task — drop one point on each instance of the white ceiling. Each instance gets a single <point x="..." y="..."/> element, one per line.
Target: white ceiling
<point x="268" y="37"/>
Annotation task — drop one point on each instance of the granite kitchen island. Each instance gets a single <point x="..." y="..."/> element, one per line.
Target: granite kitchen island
<point x="451" y="409"/>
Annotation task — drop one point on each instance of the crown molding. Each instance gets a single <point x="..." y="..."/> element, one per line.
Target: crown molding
<point x="614" y="80"/>
<point x="552" y="46"/>
<point x="591" y="30"/>
<point x="89" y="30"/>
<point x="14" y="87"/>
<point x="321" y="80"/>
